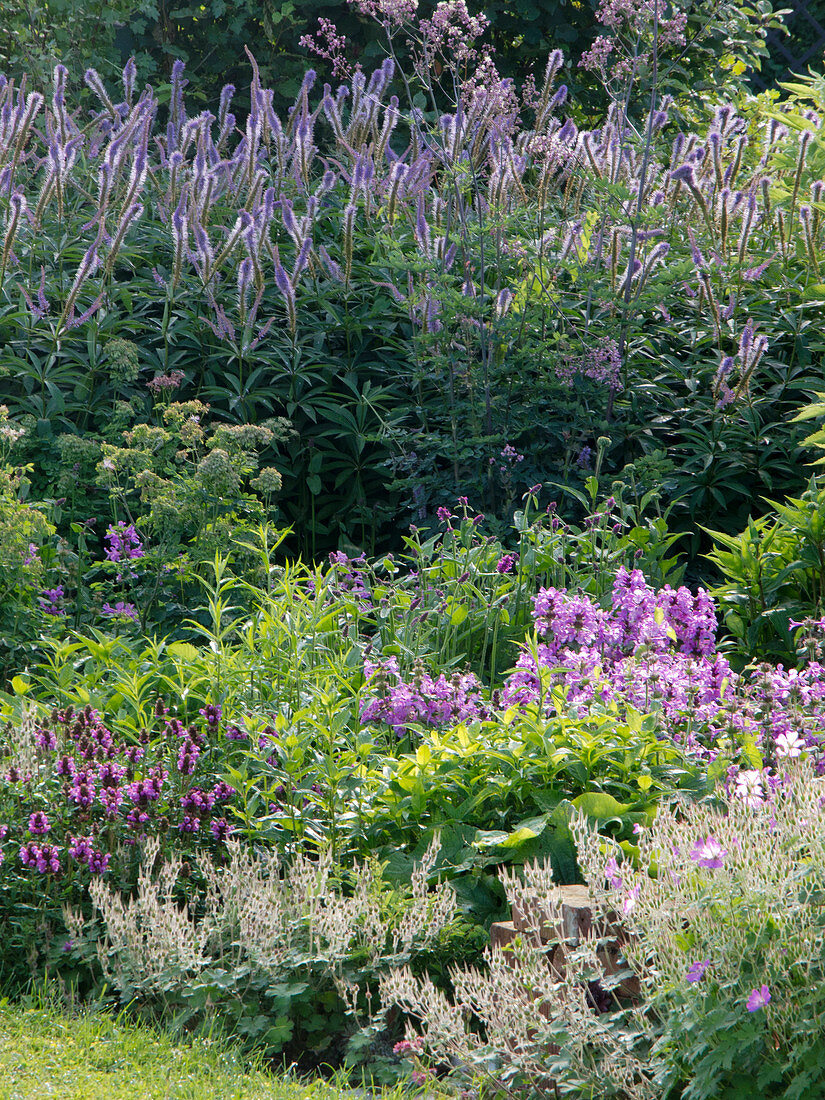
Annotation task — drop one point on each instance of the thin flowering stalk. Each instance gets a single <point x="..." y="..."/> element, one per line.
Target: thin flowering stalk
<point x="88" y="266"/>
<point x="17" y="208"/>
<point x="128" y="219"/>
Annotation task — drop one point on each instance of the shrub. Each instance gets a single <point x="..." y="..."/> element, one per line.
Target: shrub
<point x="723" y="933"/>
<point x="773" y="574"/>
<point x="422" y="325"/>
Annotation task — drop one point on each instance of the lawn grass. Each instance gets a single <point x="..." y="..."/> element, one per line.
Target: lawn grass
<point x="94" y="1056"/>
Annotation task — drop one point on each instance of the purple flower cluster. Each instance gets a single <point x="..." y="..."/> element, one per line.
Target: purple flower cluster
<point x="39" y="824"/>
<point x="83" y="850"/>
<point x="101" y="792"/>
<point x="52" y="601"/>
<point x="347" y="577"/>
<point x="123" y="543"/>
<point x="656" y="652"/>
<point x="120" y="610"/>
<point x="43" y="858"/>
<point x="423" y="701"/>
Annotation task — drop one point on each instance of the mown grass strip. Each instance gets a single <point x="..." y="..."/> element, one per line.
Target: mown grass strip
<point x="94" y="1056"/>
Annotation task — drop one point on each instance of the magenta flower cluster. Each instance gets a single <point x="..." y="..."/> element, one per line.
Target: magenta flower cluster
<point x="101" y="793"/>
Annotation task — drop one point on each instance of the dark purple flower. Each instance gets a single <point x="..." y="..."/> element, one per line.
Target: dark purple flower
<point x="39" y="824"/>
<point x="222" y="792"/>
<point x="188" y="757"/>
<point x="220" y="828"/>
<point x="82" y="790"/>
<point x="80" y="848"/>
<point x="213" y="713"/>
<point x="98" y="862"/>
<point x="46" y="740"/>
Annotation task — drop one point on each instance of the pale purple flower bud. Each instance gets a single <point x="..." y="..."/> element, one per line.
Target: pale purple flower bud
<point x="695" y="252"/>
<point x="282" y="280"/>
<point x="203" y="249"/>
<point x="657" y="254"/>
<point x="684" y="174"/>
<point x="332" y="267"/>
<point x="422" y="229"/>
<point x="129" y="78"/>
<point x="245" y="273"/>
<point x="554" y="64"/>
<point x="227" y="92"/>
<point x="76" y="322"/>
<point x="283" y="283"/>
<point x="178" y="85"/>
<point x="288" y="218"/>
<point x="61" y="74"/>
<point x="725" y="367"/>
<point x="504" y="300"/>
<point x="569" y="132"/>
<point x="559" y="98"/>
<point x="92" y="79"/>
<point x="302" y="259"/>
<point x="745" y="342"/>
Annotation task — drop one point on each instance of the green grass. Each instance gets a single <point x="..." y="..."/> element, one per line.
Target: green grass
<point x="94" y="1056"/>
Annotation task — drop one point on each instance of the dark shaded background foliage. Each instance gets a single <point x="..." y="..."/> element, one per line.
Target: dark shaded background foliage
<point x="210" y="37"/>
<point x="374" y="404"/>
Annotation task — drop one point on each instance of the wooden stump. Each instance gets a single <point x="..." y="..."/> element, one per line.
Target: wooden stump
<point x="571" y="923"/>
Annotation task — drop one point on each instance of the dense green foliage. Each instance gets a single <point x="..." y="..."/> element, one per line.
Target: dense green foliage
<point x="402" y="499"/>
